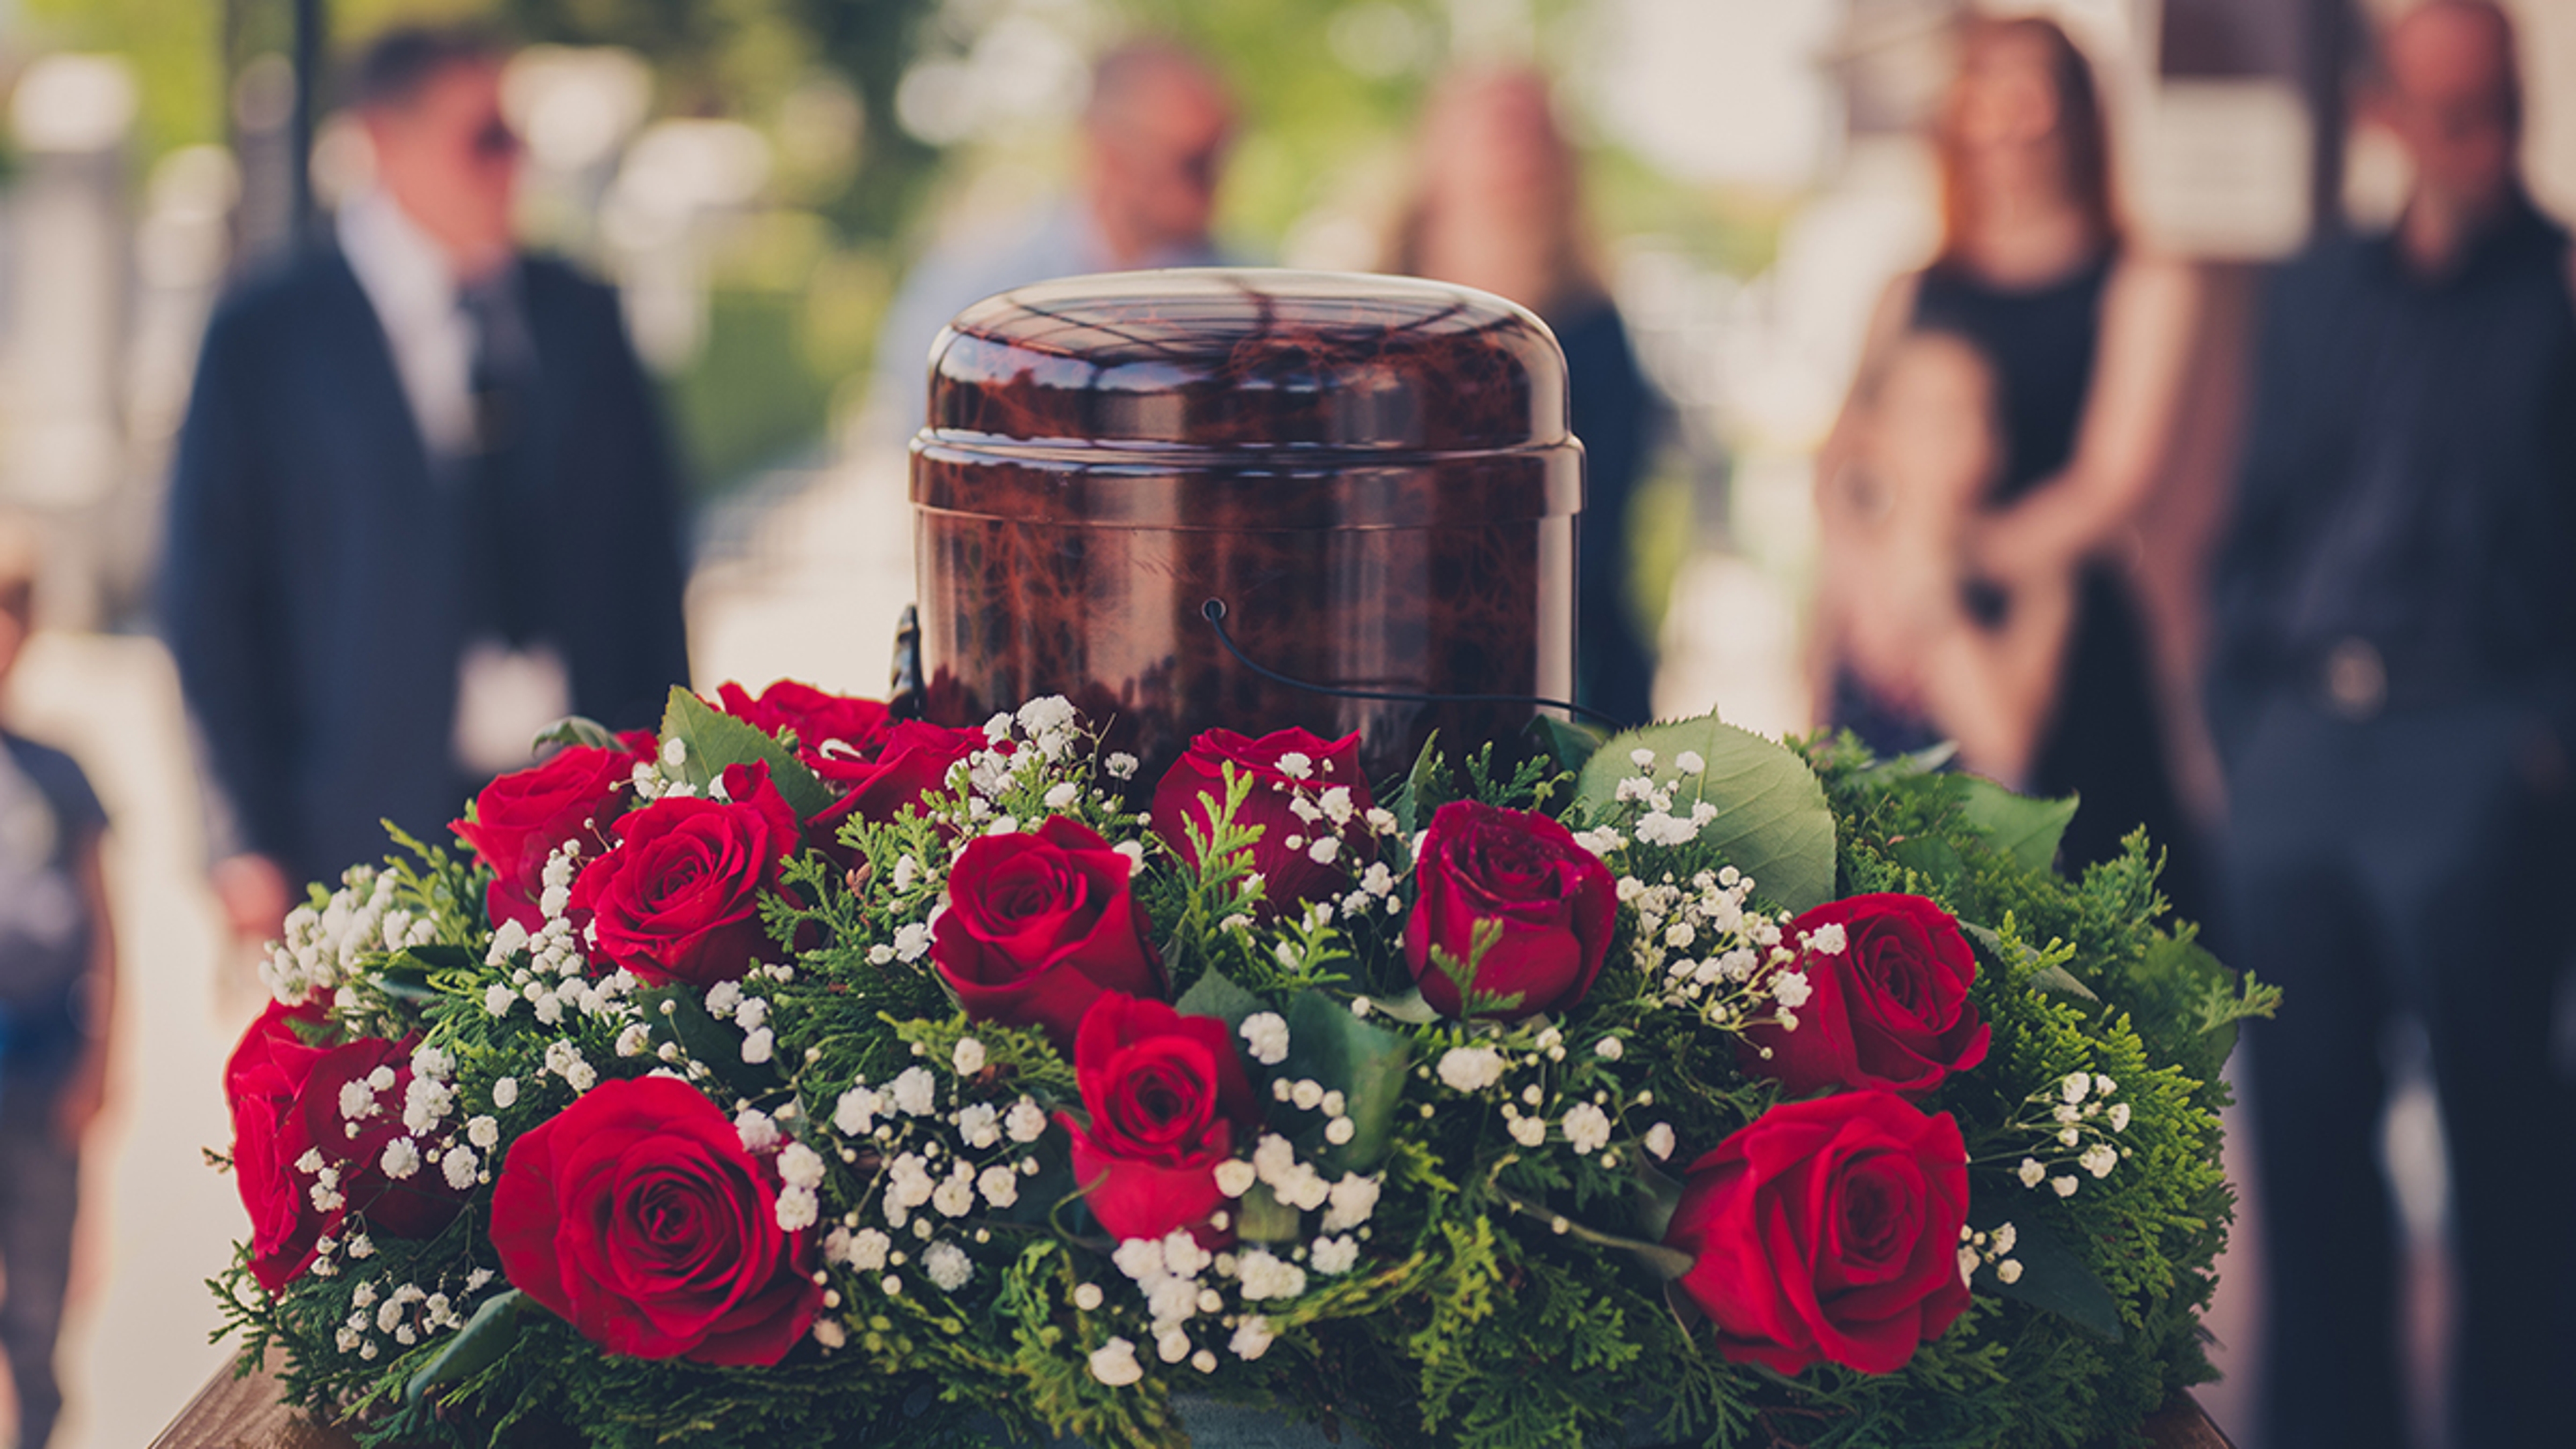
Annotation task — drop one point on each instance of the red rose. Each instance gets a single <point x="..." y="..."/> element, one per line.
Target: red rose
<point x="826" y="726"/>
<point x="679" y="898"/>
<point x="636" y="1214"/>
<point x="1828" y="1229"/>
<point x="522" y="817"/>
<point x="1890" y="1009"/>
<point x="909" y="767"/>
<point x="266" y="1074"/>
<point x="1166" y="1094"/>
<point x="290" y="1099"/>
<point x="1291" y="772"/>
<point x="1038" y="925"/>
<point x="1554" y="900"/>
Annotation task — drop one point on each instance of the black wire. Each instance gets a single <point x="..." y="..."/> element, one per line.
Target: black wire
<point x="1214" y="611"/>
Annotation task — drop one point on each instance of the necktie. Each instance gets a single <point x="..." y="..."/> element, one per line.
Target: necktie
<point x="500" y="518"/>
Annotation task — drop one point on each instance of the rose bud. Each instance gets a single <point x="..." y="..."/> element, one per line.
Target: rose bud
<point x="1551" y="902"/>
<point x="1039" y="924"/>
<point x="1305" y="790"/>
<point x="637" y="1216"/>
<point x="521" y="818"/>
<point x="679" y="898"/>
<point x="1828" y="1230"/>
<point x="1167" y="1097"/>
<point x="1889" y="1009"/>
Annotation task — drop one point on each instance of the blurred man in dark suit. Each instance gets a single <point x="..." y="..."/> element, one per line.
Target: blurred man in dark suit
<point x="2395" y="696"/>
<point x="422" y="505"/>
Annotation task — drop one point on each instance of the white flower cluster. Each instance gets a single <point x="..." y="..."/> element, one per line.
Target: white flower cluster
<point x="936" y="1167"/>
<point x="1586" y="1122"/>
<point x="556" y="978"/>
<point x="322" y="948"/>
<point x="1656" y="824"/>
<point x="426" y="1106"/>
<point x="1977" y="1249"/>
<point x="406" y="1313"/>
<point x="1710" y="955"/>
<point x="2081" y="1120"/>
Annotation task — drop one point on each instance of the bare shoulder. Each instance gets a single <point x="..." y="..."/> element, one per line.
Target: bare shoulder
<point x="2155" y="283"/>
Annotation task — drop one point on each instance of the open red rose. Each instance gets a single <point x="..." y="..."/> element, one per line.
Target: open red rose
<point x="290" y="1098"/>
<point x="522" y="817"/>
<point x="826" y="726"/>
<point x="909" y="767"/>
<point x="262" y="1081"/>
<point x="1828" y="1230"/>
<point x="1890" y="1009"/>
<point x="679" y="897"/>
<point x="636" y="1214"/>
<point x="1166" y="1094"/>
<point x="1294" y="773"/>
<point x="1553" y="900"/>
<point x="1038" y="925"/>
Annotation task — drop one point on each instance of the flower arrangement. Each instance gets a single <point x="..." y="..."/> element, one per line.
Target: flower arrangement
<point x="801" y="1073"/>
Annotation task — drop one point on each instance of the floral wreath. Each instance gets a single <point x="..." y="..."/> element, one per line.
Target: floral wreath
<point x="797" y="1070"/>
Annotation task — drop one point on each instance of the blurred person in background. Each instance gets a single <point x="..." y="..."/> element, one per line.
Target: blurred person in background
<point x="1153" y="145"/>
<point x="422" y="503"/>
<point x="1498" y="206"/>
<point x="1900" y="653"/>
<point x="2089" y="338"/>
<point x="57" y="1002"/>
<point x="2393" y="696"/>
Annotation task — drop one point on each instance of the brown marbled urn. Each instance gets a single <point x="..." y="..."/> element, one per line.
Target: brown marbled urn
<point x="1374" y="474"/>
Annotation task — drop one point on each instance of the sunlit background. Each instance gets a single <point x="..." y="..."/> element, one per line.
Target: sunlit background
<point x="758" y="174"/>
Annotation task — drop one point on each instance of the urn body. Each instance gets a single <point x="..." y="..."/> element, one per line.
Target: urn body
<point x="1373" y="475"/>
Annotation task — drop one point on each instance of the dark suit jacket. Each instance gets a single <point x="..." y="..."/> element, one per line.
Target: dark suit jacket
<point x="315" y="582"/>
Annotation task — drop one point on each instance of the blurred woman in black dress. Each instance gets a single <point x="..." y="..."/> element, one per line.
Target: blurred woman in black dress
<point x="1498" y="206"/>
<point x="2088" y="338"/>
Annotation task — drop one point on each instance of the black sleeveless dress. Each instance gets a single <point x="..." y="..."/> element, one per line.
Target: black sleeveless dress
<point x="2106" y="740"/>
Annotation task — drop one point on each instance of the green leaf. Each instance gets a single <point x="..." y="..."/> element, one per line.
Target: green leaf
<point x="2052" y="1276"/>
<point x="1898" y="767"/>
<point x="1409" y="1008"/>
<point x="1930" y="857"/>
<point x="1364" y="1063"/>
<point x="2022" y="826"/>
<point x="1772" y="821"/>
<point x="1420" y="785"/>
<point x="476" y="1346"/>
<point x="573" y="729"/>
<point x="1260" y="1217"/>
<point x="1213" y="995"/>
<point x="1568" y="742"/>
<point x="1658" y="1197"/>
<point x="710" y="740"/>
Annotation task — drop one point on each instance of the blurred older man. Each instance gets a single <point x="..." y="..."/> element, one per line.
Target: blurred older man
<point x="1154" y="137"/>
<point x="422" y="503"/>
<point x="2395" y="698"/>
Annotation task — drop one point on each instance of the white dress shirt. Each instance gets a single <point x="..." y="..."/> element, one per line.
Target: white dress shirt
<point x="503" y="695"/>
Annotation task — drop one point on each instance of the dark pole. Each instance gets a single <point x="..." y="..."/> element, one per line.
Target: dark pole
<point x="309" y="43"/>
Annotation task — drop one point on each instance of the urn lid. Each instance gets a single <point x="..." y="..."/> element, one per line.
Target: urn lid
<point x="1249" y="358"/>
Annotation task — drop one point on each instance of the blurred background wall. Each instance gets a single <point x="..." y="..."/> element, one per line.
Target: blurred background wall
<point x="758" y="174"/>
